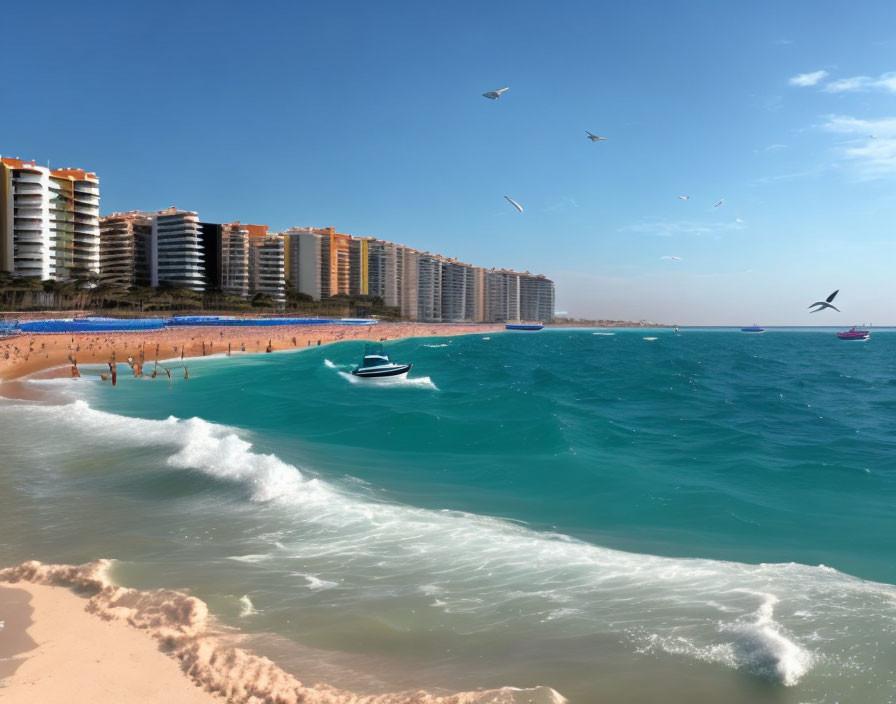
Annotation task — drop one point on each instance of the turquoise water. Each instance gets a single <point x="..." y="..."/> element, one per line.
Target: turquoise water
<point x="703" y="516"/>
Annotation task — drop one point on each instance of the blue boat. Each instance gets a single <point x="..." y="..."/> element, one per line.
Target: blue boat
<point x="523" y="326"/>
<point x="753" y="328"/>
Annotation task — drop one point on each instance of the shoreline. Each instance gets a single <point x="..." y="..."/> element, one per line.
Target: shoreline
<point x="50" y="355"/>
<point x="78" y="637"/>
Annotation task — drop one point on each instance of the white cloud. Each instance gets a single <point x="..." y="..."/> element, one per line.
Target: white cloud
<point x="663" y="228"/>
<point x="874" y="157"/>
<point x="808" y="79"/>
<point x="885" y="82"/>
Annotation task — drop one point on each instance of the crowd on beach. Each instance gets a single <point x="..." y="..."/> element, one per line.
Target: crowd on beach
<point x="26" y="354"/>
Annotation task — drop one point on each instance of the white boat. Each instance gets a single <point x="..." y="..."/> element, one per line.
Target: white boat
<point x="376" y="365"/>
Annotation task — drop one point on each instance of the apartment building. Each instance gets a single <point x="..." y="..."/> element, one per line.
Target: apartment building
<point x="266" y="265"/>
<point x="124" y="242"/>
<point x="175" y="249"/>
<point x="226" y="257"/>
<point x="49" y="221"/>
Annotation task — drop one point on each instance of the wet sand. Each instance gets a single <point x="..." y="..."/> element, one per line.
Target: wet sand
<point x="26" y="355"/>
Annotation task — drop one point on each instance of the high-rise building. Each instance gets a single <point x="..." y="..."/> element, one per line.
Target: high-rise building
<point x="359" y="266"/>
<point x="303" y="254"/>
<point x="124" y="238"/>
<point x="457" y="291"/>
<point x="226" y="257"/>
<point x="175" y="252"/>
<point x="266" y="266"/>
<point x="408" y="291"/>
<point x="384" y="271"/>
<point x="429" y="288"/>
<point x="536" y="298"/>
<point x="75" y="220"/>
<point x="502" y="295"/>
<point x="335" y="263"/>
<point x="49" y="221"/>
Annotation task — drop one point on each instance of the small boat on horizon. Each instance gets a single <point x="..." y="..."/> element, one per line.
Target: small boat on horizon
<point x="854" y="334"/>
<point x="752" y="328"/>
<point x="376" y="365"/>
<point x="523" y="326"/>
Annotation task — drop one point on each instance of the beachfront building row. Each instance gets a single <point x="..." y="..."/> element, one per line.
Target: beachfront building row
<point x="321" y="263"/>
<point x="49" y="221"/>
<point x="172" y="247"/>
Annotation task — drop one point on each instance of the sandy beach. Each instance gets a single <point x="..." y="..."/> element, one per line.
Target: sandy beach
<point x="27" y="354"/>
<point x="71" y="635"/>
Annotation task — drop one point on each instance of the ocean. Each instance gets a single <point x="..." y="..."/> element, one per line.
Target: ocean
<point x="705" y="516"/>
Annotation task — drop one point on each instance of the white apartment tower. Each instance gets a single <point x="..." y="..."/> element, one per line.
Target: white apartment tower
<point x="49" y="221"/>
<point x="175" y="251"/>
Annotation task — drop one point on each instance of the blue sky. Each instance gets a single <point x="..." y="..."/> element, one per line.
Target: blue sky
<point x="368" y="117"/>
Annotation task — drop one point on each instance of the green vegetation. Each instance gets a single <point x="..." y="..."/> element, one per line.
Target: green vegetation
<point x="23" y="295"/>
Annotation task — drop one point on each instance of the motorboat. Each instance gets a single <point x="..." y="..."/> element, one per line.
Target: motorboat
<point x="376" y="365"/>
<point x="854" y="334"/>
<point x="752" y="328"/>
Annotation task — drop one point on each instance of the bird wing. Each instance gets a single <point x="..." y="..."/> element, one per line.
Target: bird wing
<point x="501" y="90"/>
<point x="832" y="296"/>
<point x="589" y="134"/>
<point x="719" y="203"/>
<point x="819" y="303"/>
<point x="514" y="203"/>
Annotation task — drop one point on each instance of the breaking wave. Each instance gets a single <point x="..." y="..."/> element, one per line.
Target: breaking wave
<point x="481" y="572"/>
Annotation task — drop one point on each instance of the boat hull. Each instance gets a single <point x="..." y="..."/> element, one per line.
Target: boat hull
<point x="397" y="370"/>
<point x="519" y="326"/>
<point x="857" y="337"/>
<point x="752" y="329"/>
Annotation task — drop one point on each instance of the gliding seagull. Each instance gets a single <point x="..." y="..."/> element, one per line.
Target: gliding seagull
<point x="826" y="303"/>
<point x="514" y="203"/>
<point x="594" y="137"/>
<point x="684" y="197"/>
<point x="719" y="203"/>
<point x="495" y="94"/>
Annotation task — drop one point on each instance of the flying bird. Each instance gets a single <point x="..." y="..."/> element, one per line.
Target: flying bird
<point x="826" y="303"/>
<point x="594" y="137"/>
<point x="719" y="203"/>
<point x="684" y="197"/>
<point x="677" y="259"/>
<point x="495" y="94"/>
<point x="514" y="203"/>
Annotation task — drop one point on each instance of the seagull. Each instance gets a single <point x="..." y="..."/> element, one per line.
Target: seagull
<point x="677" y="259"/>
<point x="684" y="197"/>
<point x="495" y="94"/>
<point x="719" y="203"/>
<point x="826" y="303"/>
<point x="594" y="137"/>
<point x="514" y="203"/>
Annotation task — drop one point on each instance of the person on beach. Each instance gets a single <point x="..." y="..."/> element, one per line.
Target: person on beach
<point x="228" y="349"/>
<point x="270" y="347"/>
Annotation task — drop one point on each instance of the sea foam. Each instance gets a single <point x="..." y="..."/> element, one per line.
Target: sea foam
<point x="210" y="656"/>
<point x="487" y="571"/>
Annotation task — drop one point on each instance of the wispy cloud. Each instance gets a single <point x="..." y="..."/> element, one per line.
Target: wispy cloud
<point x="669" y="257"/>
<point x="563" y="204"/>
<point x="808" y="79"/>
<point x="872" y="148"/>
<point x="885" y="82"/>
<point x="667" y="228"/>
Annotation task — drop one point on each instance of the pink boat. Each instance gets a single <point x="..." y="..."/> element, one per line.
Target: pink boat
<point x="854" y="334"/>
